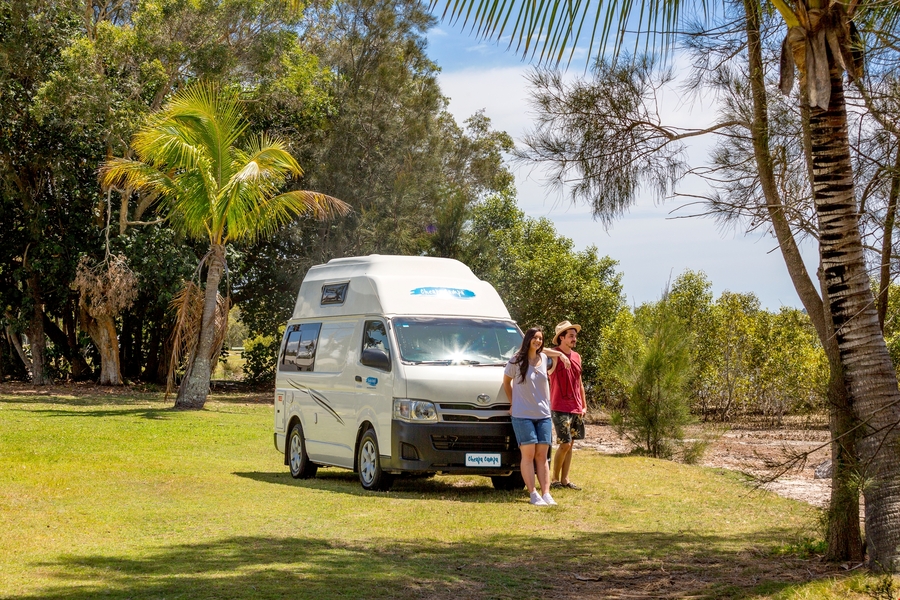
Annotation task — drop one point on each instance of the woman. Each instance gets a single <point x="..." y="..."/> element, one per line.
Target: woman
<point x="528" y="389"/>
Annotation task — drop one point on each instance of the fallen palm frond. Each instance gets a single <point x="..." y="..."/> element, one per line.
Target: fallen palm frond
<point x="188" y="307"/>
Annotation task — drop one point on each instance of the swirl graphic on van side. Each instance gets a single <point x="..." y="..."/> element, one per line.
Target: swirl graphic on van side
<point x="319" y="399"/>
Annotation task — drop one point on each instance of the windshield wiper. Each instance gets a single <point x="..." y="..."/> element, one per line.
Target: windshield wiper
<point x="450" y="361"/>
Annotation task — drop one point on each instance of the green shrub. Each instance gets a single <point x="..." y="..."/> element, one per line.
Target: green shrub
<point x="657" y="374"/>
<point x="260" y="355"/>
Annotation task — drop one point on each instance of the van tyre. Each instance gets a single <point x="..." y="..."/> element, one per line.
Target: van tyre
<point x="371" y="477"/>
<point x="298" y="459"/>
<point x="508" y="483"/>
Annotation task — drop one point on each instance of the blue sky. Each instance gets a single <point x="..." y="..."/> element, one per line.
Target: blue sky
<point x="650" y="245"/>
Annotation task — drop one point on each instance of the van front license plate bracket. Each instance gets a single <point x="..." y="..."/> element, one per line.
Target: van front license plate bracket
<point x="482" y="459"/>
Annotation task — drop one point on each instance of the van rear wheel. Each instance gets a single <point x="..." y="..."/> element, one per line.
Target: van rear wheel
<point x="508" y="483"/>
<point x="298" y="459"/>
<point x="371" y="477"/>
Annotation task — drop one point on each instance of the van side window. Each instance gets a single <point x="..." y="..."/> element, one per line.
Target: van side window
<point x="300" y="347"/>
<point x="375" y="336"/>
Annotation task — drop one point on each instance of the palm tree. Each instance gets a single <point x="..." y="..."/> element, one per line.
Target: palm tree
<point x="822" y="43"/>
<point x="215" y="183"/>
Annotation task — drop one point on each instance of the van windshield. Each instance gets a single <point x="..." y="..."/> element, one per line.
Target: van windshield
<point x="461" y="341"/>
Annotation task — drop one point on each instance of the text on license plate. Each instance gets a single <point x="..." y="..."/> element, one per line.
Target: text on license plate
<point x="474" y="459"/>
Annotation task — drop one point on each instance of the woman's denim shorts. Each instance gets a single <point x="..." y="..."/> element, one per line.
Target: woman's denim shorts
<point x="532" y="431"/>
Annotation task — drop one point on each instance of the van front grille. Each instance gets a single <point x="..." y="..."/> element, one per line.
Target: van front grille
<point x="472" y="419"/>
<point x="447" y="406"/>
<point x="491" y="443"/>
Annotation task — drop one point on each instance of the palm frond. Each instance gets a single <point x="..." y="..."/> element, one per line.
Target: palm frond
<point x="550" y="30"/>
<point x="126" y="174"/>
<point x="272" y="213"/>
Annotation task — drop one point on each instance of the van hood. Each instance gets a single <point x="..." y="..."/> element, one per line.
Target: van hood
<point x="460" y="384"/>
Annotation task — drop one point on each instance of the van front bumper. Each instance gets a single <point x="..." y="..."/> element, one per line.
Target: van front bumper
<point x="442" y="447"/>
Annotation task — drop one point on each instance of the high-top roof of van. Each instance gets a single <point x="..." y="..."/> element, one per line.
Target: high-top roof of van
<point x="396" y="285"/>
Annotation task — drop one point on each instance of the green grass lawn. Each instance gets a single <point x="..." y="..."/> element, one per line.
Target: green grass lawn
<point x="115" y="495"/>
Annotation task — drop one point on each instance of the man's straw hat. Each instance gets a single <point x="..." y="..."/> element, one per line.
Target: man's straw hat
<point x="563" y="327"/>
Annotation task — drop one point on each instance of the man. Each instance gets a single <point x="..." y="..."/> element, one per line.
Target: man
<point x="567" y="403"/>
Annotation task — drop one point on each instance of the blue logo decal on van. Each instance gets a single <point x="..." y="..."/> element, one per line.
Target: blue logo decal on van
<point x="443" y="292"/>
<point x="373" y="381"/>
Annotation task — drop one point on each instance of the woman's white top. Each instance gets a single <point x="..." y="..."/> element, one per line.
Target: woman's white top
<point x="530" y="398"/>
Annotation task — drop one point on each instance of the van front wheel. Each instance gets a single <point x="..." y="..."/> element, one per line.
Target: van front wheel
<point x="371" y="477"/>
<point x="298" y="459"/>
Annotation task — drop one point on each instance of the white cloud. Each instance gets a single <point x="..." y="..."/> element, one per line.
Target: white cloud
<point x="649" y="244"/>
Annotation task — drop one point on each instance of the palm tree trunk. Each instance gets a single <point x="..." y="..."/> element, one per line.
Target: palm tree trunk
<point x="194" y="389"/>
<point x="887" y="243"/>
<point x="867" y="366"/>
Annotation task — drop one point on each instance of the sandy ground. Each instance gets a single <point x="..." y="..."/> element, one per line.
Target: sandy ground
<point x="756" y="452"/>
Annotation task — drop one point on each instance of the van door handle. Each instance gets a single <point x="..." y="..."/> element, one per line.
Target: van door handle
<point x="358" y="378"/>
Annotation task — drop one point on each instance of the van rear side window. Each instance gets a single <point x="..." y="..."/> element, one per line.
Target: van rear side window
<point x="300" y="347"/>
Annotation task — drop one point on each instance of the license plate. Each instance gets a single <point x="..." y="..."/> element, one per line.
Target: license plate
<point x="482" y="459"/>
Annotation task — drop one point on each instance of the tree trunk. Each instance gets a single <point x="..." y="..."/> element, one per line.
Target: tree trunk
<point x="868" y="371"/>
<point x="36" y="338"/>
<point x="194" y="389"/>
<point x="132" y="351"/>
<point x="842" y="531"/>
<point x="81" y="371"/>
<point x="887" y="243"/>
<point x="843" y="534"/>
<point x="59" y="338"/>
<point x="16" y="342"/>
<point x="102" y="330"/>
<point x="154" y="348"/>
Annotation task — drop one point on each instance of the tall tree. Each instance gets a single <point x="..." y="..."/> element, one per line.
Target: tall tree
<point x="381" y="138"/>
<point x="46" y="176"/>
<point x="820" y="42"/>
<point x="214" y="184"/>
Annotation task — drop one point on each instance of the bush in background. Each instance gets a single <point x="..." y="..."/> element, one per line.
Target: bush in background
<point x="658" y="374"/>
<point x="260" y="355"/>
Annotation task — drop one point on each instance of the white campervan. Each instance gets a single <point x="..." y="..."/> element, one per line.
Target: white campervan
<point x="394" y="364"/>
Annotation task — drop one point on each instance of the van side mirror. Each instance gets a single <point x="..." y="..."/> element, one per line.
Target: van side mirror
<point x="375" y="358"/>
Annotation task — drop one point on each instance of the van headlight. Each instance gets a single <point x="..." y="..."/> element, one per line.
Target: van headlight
<point x="414" y="411"/>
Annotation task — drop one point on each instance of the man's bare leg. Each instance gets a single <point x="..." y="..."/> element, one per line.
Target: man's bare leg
<point x="561" y="461"/>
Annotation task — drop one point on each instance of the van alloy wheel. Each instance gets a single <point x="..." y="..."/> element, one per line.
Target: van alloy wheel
<point x="301" y="467"/>
<point x="371" y="477"/>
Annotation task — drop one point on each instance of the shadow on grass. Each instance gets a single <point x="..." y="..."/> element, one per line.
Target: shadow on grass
<point x="475" y="489"/>
<point x="572" y="565"/>
<point x="115" y="406"/>
<point x="143" y="413"/>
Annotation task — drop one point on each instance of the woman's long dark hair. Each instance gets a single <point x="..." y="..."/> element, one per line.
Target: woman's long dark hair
<point x="521" y="357"/>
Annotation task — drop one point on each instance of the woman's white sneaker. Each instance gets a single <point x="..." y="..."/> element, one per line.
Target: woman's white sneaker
<point x="548" y="499"/>
<point x="537" y="500"/>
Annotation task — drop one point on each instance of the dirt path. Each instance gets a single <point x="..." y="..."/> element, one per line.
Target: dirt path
<point x="750" y="451"/>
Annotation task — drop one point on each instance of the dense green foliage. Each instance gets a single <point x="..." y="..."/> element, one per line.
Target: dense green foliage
<point x="544" y="281"/>
<point x="747" y="360"/>
<point x="349" y="88"/>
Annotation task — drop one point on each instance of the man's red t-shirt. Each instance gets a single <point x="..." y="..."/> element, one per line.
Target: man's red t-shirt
<point x="565" y="386"/>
